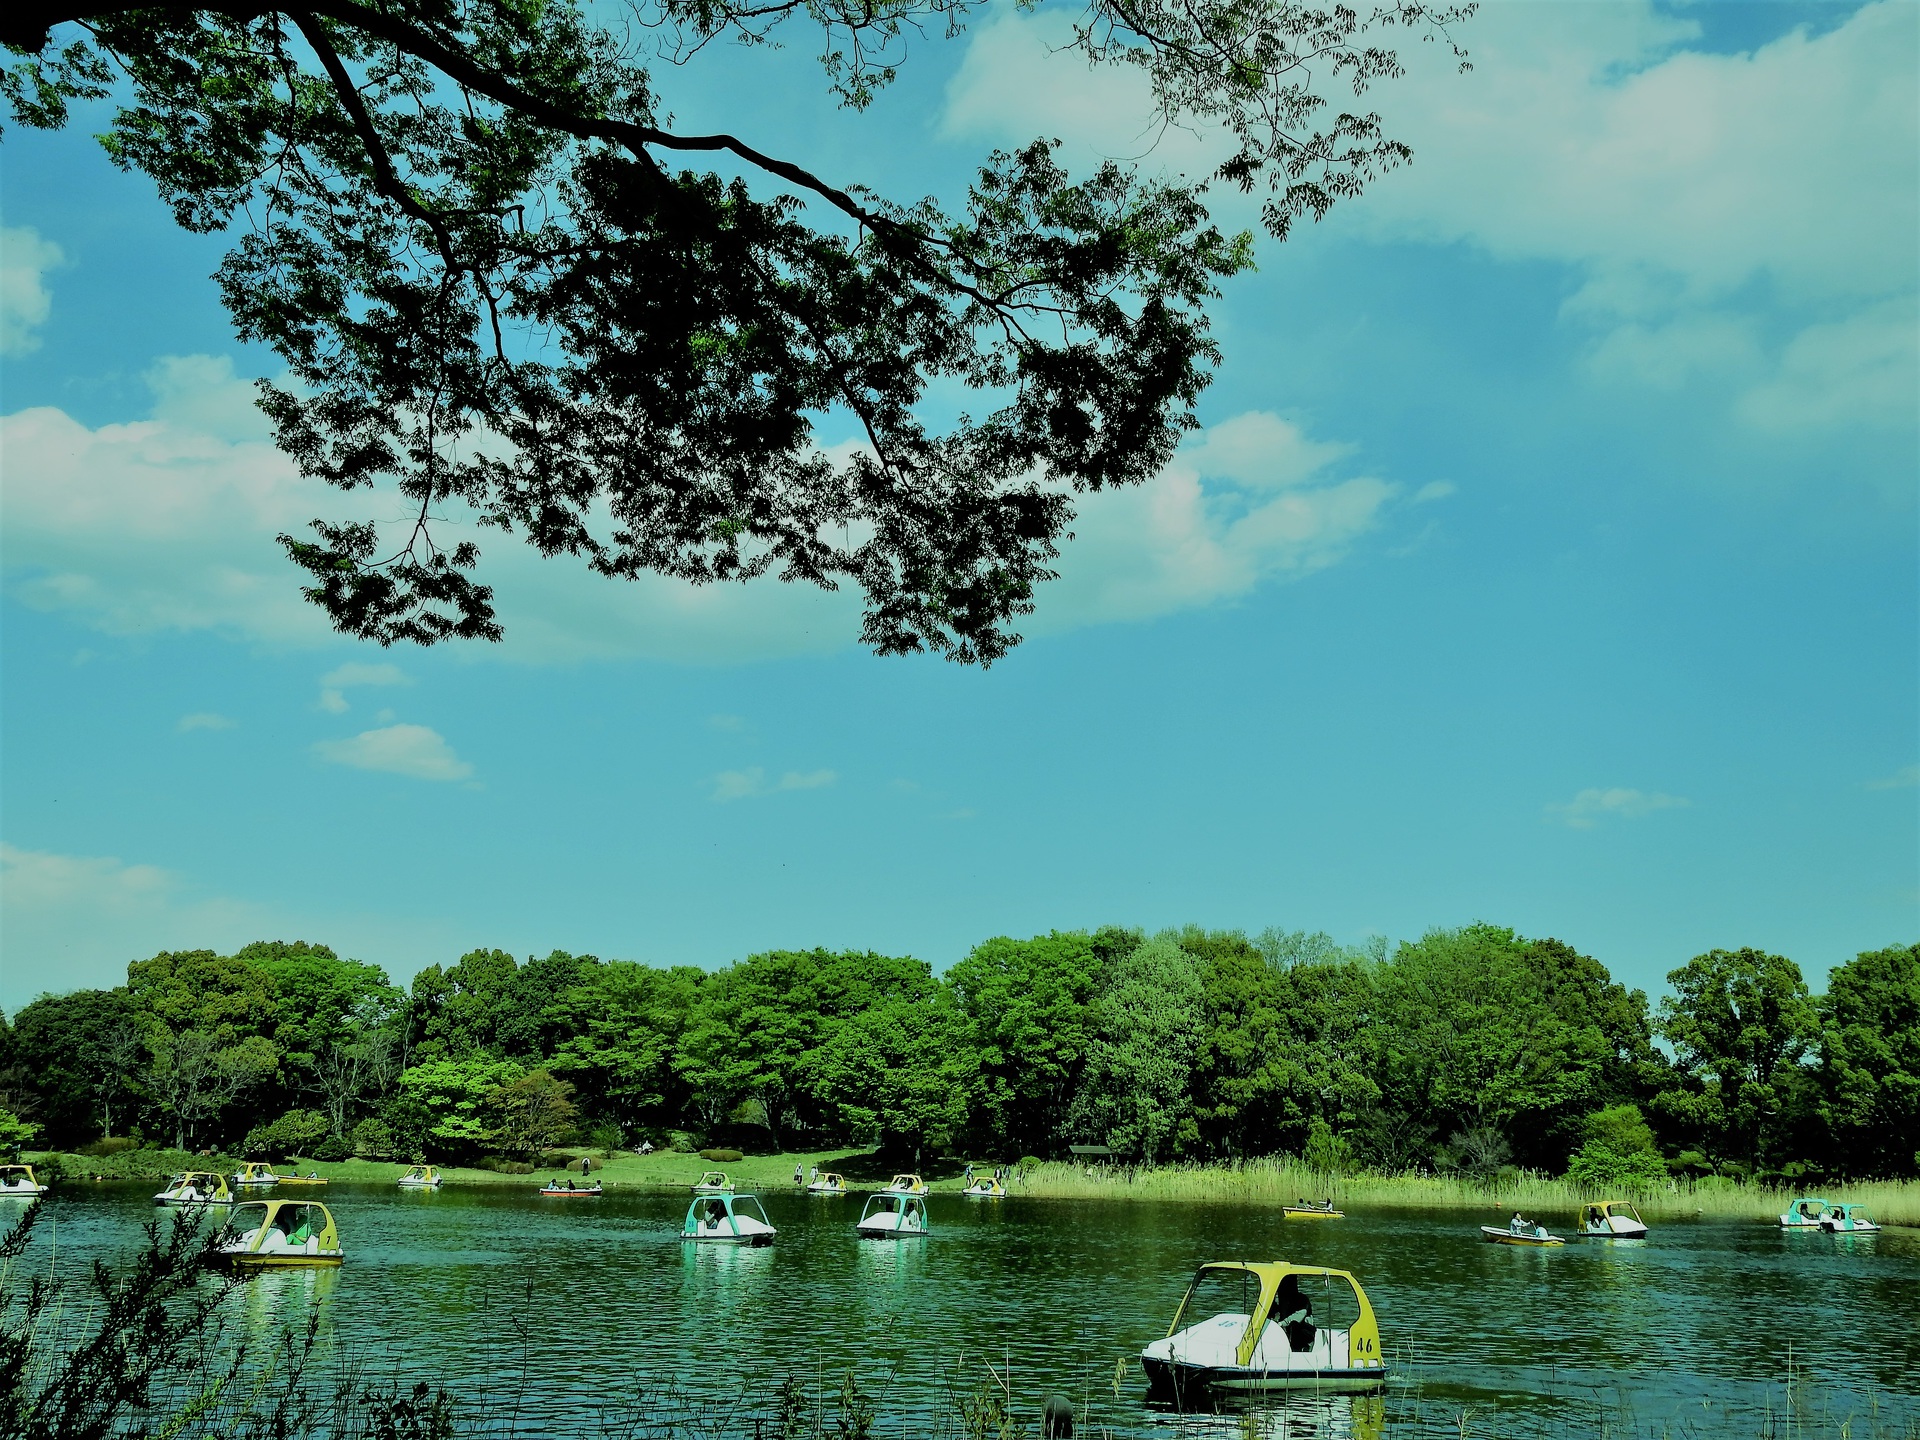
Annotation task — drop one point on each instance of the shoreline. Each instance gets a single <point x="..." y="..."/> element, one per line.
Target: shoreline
<point x="1259" y="1182"/>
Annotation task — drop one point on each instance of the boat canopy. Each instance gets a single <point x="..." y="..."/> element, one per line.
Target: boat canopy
<point x="711" y="1214"/>
<point x="1809" y="1209"/>
<point x="255" y="1170"/>
<point x="291" y="1228"/>
<point x="1260" y="1281"/>
<point x="422" y="1174"/>
<point x="907" y="1185"/>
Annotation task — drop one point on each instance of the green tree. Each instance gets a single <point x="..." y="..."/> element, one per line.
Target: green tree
<point x="490" y="284"/>
<point x="757" y="1024"/>
<point x="1739" y="1022"/>
<point x="193" y="1078"/>
<point x="1287" y="1040"/>
<point x="898" y="1074"/>
<point x="80" y="1057"/>
<point x="624" y="1025"/>
<point x="1869" y="1070"/>
<point x="449" y="1105"/>
<point x="533" y="1112"/>
<point x="14" y="1132"/>
<point x="1135" y="1093"/>
<point x="457" y="1012"/>
<point x="1472" y="1037"/>
<point x="1028" y="1006"/>
<point x="1618" y="1149"/>
<point x="220" y="995"/>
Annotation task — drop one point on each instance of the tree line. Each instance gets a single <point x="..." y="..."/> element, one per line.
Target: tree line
<point x="1468" y="1050"/>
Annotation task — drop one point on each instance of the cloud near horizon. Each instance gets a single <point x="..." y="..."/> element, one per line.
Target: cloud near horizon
<point x="1589" y="807"/>
<point x="751" y="784"/>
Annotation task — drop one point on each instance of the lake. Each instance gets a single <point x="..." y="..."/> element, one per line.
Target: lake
<point x="574" y="1308"/>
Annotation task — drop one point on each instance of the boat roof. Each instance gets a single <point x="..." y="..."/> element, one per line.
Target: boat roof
<point x="5" y="1168"/>
<point x="1274" y="1270"/>
<point x="1809" y="1200"/>
<point x="1849" y="1207"/>
<point x="1607" y="1207"/>
<point x="903" y="1175"/>
<point x="186" y="1175"/>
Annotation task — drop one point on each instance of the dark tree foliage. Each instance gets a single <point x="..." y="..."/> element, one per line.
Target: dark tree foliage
<point x="464" y="229"/>
<point x="62" y="1048"/>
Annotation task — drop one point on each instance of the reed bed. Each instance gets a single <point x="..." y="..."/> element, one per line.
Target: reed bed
<point x="1282" y="1181"/>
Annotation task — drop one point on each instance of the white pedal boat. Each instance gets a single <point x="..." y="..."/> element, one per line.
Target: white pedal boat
<point x="714" y="1182"/>
<point x="1847" y="1219"/>
<point x="18" y="1180"/>
<point x="1612" y="1220"/>
<point x="195" y="1187"/>
<point x="1273" y="1326"/>
<point x="728" y="1220"/>
<point x="1804" y="1214"/>
<point x="905" y="1185"/>
<point x="255" y="1172"/>
<point x="420" y="1177"/>
<point x="889" y="1215"/>
<point x="984" y="1187"/>
<point x="828" y="1184"/>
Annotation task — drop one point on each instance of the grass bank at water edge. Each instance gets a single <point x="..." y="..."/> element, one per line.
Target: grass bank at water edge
<point x="1281" y="1182"/>
<point x="1256" y="1182"/>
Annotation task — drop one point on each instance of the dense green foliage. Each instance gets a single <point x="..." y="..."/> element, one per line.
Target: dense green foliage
<point x="1468" y="1050"/>
<point x="466" y="233"/>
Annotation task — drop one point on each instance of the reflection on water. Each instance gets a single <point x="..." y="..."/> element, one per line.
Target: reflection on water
<point x="1695" y="1333"/>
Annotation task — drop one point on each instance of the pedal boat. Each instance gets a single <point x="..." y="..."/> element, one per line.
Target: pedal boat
<point x="1612" y="1220"/>
<point x="828" y="1184"/>
<point x="195" y="1187"/>
<point x="271" y="1234"/>
<point x="1804" y="1214"/>
<point x="420" y="1177"/>
<point x="1502" y="1235"/>
<point x="721" y="1220"/>
<point x="1847" y="1219"/>
<point x="17" y="1180"/>
<point x="1312" y="1212"/>
<point x="1247" y="1349"/>
<point x="303" y="1179"/>
<point x="905" y="1185"/>
<point x="985" y="1187"/>
<point x="892" y="1215"/>
<point x="570" y="1191"/>
<point x="255" y="1172"/>
<point x="714" y="1182"/>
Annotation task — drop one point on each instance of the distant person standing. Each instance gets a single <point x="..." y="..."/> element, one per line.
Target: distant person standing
<point x="813" y="1173"/>
<point x="799" y="1175"/>
<point x="586" y="1164"/>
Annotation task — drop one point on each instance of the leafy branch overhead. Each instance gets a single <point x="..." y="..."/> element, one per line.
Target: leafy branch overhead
<point x="502" y="282"/>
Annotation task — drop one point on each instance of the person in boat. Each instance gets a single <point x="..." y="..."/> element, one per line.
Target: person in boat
<point x="1327" y="1205"/>
<point x="1516" y="1225"/>
<point x="1292" y="1311"/>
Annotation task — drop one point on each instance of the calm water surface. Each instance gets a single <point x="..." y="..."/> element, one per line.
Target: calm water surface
<point x="1697" y="1331"/>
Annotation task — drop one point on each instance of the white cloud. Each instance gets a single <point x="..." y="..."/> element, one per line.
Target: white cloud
<point x="1752" y="217"/>
<point x="38" y="878"/>
<point x="1234" y="510"/>
<point x="1904" y="778"/>
<point x="1434" y="490"/>
<point x="168" y="524"/>
<point x="411" y="750"/>
<point x="1591" y="806"/>
<point x="750" y="784"/>
<point x="25" y="304"/>
<point x="342" y="678"/>
<point x="203" y="720"/>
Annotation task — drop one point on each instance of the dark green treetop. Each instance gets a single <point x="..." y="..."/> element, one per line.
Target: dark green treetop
<point x="463" y="229"/>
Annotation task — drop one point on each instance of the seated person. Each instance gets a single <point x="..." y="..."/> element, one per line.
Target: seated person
<point x="1292" y="1311"/>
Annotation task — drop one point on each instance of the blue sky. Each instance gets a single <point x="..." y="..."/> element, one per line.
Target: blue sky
<point x="1548" y="557"/>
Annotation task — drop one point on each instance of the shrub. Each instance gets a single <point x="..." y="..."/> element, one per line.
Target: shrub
<point x="722" y="1156"/>
<point x="333" y="1148"/>
<point x="606" y="1139"/>
<point x="295" y="1133"/>
<point x="500" y="1165"/>
<point x="679" y="1140"/>
<point x="374" y="1140"/>
<point x="112" y="1145"/>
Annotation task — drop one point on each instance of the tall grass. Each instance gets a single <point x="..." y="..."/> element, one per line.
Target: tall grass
<point x="1281" y="1181"/>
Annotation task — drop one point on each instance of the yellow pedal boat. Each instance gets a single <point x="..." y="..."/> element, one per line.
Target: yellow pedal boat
<point x="1535" y="1235"/>
<point x="1269" y="1325"/>
<point x="1312" y="1212"/>
<point x="270" y="1234"/>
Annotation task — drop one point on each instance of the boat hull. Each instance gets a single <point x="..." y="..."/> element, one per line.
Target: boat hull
<point x="1292" y="1214"/>
<point x="283" y="1262"/>
<point x="761" y="1239"/>
<point x="1169" y="1378"/>
<point x="1507" y="1237"/>
<point x="571" y="1194"/>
